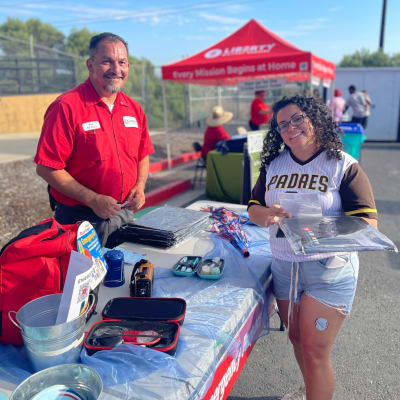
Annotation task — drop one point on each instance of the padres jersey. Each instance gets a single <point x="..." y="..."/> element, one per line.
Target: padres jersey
<point x="342" y="187"/>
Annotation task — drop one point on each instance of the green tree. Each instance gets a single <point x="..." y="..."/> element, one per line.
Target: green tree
<point x="78" y="42"/>
<point x="365" y="58"/>
<point x="144" y="85"/>
<point x="43" y="34"/>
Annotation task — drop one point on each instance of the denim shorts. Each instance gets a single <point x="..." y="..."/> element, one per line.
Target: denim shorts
<point x="331" y="281"/>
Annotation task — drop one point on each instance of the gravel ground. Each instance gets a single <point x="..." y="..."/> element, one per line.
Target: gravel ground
<point x="23" y="194"/>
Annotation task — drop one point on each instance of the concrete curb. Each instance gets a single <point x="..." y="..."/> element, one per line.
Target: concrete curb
<point x="163" y="164"/>
<point x="164" y="193"/>
<point x="167" y="191"/>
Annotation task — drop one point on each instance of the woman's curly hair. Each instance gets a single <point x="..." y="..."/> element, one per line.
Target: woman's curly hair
<point x="325" y="128"/>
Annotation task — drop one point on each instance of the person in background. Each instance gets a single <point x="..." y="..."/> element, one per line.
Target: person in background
<point x="260" y="113"/>
<point x="358" y="103"/>
<point x="215" y="132"/>
<point x="302" y="153"/>
<point x="368" y="106"/>
<point x="337" y="105"/>
<point x="316" y="94"/>
<point x="94" y="146"/>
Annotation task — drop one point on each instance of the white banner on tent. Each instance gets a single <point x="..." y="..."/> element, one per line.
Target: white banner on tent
<point x="315" y="80"/>
<point x="262" y="84"/>
<point x="326" y="83"/>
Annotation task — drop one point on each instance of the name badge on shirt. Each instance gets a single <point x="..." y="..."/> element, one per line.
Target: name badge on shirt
<point x="90" y="126"/>
<point x="130" y="122"/>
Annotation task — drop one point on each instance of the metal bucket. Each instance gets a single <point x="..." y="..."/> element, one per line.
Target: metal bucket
<point x="73" y="381"/>
<point x="48" y="344"/>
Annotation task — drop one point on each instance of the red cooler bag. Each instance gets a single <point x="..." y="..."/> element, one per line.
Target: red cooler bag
<point x="33" y="264"/>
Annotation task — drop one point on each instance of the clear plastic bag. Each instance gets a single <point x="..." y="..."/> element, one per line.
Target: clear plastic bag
<point x="309" y="235"/>
<point x="301" y="204"/>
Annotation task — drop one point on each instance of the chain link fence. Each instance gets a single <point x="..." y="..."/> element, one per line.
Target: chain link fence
<point x="36" y="75"/>
<point x="37" y="69"/>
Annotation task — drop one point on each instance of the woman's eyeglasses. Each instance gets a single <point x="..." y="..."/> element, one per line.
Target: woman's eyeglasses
<point x="296" y="120"/>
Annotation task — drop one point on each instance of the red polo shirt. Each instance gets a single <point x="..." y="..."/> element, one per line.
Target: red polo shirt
<point x="256" y="117"/>
<point x="212" y="136"/>
<point x="99" y="148"/>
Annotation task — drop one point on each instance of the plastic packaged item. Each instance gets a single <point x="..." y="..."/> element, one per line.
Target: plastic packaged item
<point x="211" y="268"/>
<point x="309" y="235"/>
<point x="186" y="266"/>
<point x="301" y="204"/>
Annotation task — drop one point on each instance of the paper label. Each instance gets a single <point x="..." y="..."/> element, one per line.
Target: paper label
<point x="88" y="244"/>
<point x="90" y="126"/>
<point x="130" y="122"/>
<point x="76" y="289"/>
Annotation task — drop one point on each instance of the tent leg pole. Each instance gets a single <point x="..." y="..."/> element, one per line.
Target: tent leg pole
<point x="190" y="107"/>
<point x="166" y="124"/>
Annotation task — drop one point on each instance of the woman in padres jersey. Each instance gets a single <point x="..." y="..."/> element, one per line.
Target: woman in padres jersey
<point x="303" y="153"/>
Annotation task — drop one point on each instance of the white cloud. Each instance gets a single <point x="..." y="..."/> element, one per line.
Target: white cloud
<point x="316" y="24"/>
<point x="221" y="19"/>
<point x="235" y="9"/>
<point x="285" y="34"/>
<point x="197" y="37"/>
<point x="221" y="28"/>
<point x="155" y="20"/>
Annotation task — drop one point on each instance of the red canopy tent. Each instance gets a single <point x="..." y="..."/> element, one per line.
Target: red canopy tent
<point x="252" y="52"/>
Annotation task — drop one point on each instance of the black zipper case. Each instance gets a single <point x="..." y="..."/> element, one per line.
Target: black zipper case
<point x="152" y="322"/>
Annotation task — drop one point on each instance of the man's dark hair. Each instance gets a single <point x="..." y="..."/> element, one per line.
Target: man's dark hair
<point x="257" y="92"/>
<point x="352" y="88"/>
<point x="110" y="37"/>
<point x="325" y="128"/>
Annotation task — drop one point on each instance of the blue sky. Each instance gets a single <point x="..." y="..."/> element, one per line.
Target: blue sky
<point x="165" y="31"/>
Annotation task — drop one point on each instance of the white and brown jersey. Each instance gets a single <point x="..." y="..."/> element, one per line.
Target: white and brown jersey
<point x="341" y="185"/>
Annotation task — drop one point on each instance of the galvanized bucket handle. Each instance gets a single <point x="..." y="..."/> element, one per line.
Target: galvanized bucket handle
<point x="90" y="305"/>
<point x="12" y="319"/>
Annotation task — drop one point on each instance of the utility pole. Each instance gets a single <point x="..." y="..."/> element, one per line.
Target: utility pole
<point x="382" y="36"/>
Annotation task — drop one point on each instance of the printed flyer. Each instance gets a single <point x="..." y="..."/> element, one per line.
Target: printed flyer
<point x="89" y="245"/>
<point x="75" y="295"/>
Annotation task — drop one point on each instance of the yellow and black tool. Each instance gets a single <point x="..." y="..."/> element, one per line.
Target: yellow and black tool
<point x="142" y="279"/>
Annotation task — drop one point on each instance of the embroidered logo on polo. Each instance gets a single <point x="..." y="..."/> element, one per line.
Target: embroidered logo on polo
<point x="90" y="126"/>
<point x="130" y="122"/>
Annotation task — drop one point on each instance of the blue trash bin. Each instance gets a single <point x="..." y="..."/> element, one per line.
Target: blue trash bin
<point x="352" y="138"/>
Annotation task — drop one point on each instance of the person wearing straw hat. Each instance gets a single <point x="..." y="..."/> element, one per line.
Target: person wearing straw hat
<point x="215" y="132"/>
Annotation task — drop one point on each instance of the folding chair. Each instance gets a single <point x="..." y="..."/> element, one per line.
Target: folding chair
<point x="199" y="167"/>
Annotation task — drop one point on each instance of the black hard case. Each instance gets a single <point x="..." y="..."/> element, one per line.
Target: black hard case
<point x="160" y="314"/>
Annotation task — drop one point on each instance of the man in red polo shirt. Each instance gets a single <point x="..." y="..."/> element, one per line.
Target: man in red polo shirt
<point x="260" y="113"/>
<point x="94" y="147"/>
